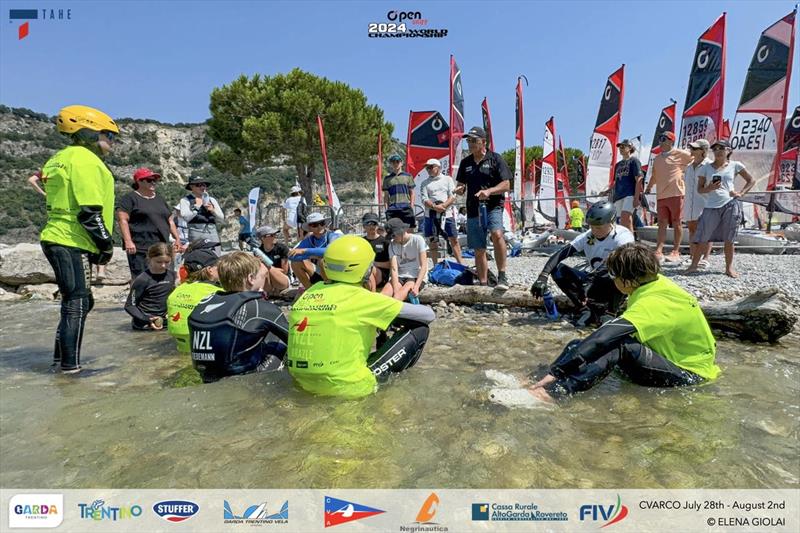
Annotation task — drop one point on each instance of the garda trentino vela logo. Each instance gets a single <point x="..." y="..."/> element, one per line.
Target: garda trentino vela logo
<point x="25" y="16"/>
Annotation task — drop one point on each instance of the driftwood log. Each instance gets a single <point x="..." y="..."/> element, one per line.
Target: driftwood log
<point x="764" y="316"/>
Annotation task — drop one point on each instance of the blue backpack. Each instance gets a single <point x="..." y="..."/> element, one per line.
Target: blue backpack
<point x="446" y="273"/>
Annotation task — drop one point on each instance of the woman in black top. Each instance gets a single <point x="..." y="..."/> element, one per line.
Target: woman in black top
<point x="380" y="244"/>
<point x="144" y="220"/>
<point x="147" y="299"/>
<point x="278" y="274"/>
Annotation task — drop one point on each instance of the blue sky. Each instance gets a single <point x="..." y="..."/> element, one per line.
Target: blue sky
<point x="161" y="59"/>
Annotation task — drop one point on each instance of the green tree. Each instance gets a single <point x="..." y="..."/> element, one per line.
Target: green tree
<point x="535" y="153"/>
<point x="272" y="120"/>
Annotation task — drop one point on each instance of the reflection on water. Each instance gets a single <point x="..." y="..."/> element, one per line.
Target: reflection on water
<point x="123" y="426"/>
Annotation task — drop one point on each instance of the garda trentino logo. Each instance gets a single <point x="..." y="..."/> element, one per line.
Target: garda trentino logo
<point x="176" y="510"/>
<point x="98" y="510"/>
<point x="256" y="515"/>
<point x="35" y="510"/>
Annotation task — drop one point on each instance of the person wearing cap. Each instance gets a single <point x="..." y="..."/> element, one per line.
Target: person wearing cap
<point x="722" y="209"/>
<point x="306" y="257"/>
<point x="381" y="274"/>
<point x="333" y="325"/>
<point x="201" y="211"/>
<point x="408" y="256"/>
<point x="589" y="287"/>
<point x="144" y="219"/>
<point x="576" y="216"/>
<point x="237" y="331"/>
<point x="485" y="177"/>
<point x="294" y="214"/>
<point x="667" y="177"/>
<point x="438" y="197"/>
<point x="694" y="202"/>
<point x="199" y="260"/>
<point x="278" y="274"/>
<point x="628" y="179"/>
<point x="80" y="219"/>
<point x="399" y="193"/>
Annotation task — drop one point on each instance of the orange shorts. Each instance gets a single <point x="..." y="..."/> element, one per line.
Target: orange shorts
<point x="670" y="210"/>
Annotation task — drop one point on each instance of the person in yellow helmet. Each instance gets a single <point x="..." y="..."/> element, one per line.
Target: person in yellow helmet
<point x="332" y="327"/>
<point x="80" y="215"/>
<point x="576" y="216"/>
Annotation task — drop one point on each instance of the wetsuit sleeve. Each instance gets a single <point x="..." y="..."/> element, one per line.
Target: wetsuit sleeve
<point x="556" y="258"/>
<point x="417" y="313"/>
<point x="138" y="287"/>
<point x="607" y="337"/>
<point x="91" y="218"/>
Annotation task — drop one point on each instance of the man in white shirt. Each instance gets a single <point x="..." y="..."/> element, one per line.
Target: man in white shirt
<point x="290" y="210"/>
<point x="438" y="197"/>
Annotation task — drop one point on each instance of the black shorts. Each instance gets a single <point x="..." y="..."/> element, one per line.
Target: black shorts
<point x="406" y="214"/>
<point x="386" y="276"/>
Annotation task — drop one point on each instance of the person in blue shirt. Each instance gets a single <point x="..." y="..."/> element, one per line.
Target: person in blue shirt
<point x="628" y="183"/>
<point x="245" y="233"/>
<point x="306" y="257"/>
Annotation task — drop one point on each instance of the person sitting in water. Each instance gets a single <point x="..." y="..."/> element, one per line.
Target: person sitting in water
<point x="305" y="257"/>
<point x="333" y="327"/>
<point x="408" y="256"/>
<point x="238" y="331"/>
<point x="147" y="299"/>
<point x="199" y="261"/>
<point x="278" y="276"/>
<point x="590" y="288"/>
<point x="381" y="274"/>
<point x="661" y="340"/>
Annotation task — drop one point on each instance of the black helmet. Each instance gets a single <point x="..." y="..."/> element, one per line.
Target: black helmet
<point x="601" y="213"/>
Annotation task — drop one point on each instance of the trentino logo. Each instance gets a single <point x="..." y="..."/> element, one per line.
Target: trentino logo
<point x="610" y="513"/>
<point x="35" y="510"/>
<point x="98" y="510"/>
<point x="28" y="15"/>
<point x="176" y="510"/>
<point x="256" y="515"/>
<point x="341" y="511"/>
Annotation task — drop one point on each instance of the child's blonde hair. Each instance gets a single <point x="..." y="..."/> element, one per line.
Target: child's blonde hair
<point x="234" y="268"/>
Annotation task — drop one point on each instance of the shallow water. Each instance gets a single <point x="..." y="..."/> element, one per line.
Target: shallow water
<point x="124" y="426"/>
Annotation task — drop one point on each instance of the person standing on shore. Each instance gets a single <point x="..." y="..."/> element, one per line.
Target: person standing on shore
<point x="144" y="220"/>
<point x="245" y="232"/>
<point x="485" y="177"/>
<point x="80" y="218"/>
<point x="694" y="202"/>
<point x="628" y="179"/>
<point x="202" y="212"/>
<point x="438" y="196"/>
<point x="667" y="178"/>
<point x="723" y="209"/>
<point x="576" y="216"/>
<point x="294" y="214"/>
<point x="398" y="188"/>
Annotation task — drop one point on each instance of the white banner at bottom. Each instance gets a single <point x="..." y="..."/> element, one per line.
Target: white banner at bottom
<point x="401" y="511"/>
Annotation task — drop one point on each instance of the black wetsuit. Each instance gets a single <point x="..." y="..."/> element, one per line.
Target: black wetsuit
<point x="584" y="363"/>
<point x="235" y="333"/>
<point x="148" y="297"/>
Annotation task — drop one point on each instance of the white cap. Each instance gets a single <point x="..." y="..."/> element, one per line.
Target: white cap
<point x="433" y="161"/>
<point x="294" y="189"/>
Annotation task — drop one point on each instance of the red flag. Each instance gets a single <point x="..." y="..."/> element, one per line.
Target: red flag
<point x="666" y="123"/>
<point x="702" y="112"/>
<point x="379" y="174"/>
<point x="333" y="200"/>
<point x="456" y="116"/>
<point x="726" y="129"/>
<point x="487" y="123"/>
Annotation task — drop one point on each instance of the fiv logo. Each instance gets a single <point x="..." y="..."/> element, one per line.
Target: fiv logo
<point x="611" y="514"/>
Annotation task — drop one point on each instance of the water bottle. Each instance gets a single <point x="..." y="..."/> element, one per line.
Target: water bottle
<point x="413" y="299"/>
<point x="483" y="213"/>
<point x="550" y="305"/>
<point x="261" y="255"/>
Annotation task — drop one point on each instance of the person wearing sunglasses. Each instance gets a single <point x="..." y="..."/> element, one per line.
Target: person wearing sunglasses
<point x="144" y="219"/>
<point x="667" y="177"/>
<point x="80" y="218"/>
<point x="307" y="255"/>
<point x="719" y="221"/>
<point x="381" y="274"/>
<point x="201" y="211"/>
<point x="661" y="340"/>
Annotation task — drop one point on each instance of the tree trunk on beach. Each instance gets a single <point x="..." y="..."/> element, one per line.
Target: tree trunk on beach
<point x="764" y="316"/>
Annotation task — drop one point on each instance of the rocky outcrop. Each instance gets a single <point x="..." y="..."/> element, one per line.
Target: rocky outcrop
<point x="25" y="264"/>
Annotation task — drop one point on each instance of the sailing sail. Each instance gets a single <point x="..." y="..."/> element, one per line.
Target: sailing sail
<point x="562" y="185"/>
<point x="790" y="167"/>
<point x="602" y="148"/>
<point x="702" y="112"/>
<point x="547" y="188"/>
<point x="333" y="200"/>
<point x="456" y="115"/>
<point x="378" y="197"/>
<point x="519" y="141"/>
<point x="666" y="123"/>
<point x="487" y="123"/>
<point x="428" y="136"/>
<point x="757" y="130"/>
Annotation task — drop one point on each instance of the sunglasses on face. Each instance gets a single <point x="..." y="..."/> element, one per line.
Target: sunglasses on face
<point x="718" y="148"/>
<point x="200" y="185"/>
<point x="149" y="180"/>
<point x="315" y="224"/>
<point x="109" y="135"/>
<point x="664" y="138"/>
<point x="695" y="149"/>
<point x="471" y="140"/>
<point x="370" y="223"/>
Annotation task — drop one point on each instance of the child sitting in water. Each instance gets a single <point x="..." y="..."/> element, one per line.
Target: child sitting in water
<point x="199" y="260"/>
<point x="661" y="340"/>
<point x="147" y="299"/>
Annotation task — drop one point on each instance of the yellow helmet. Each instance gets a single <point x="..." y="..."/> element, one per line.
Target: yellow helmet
<point x="74" y="118"/>
<point x="348" y="259"/>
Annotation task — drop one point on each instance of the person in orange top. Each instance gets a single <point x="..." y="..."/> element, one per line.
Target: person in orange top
<point x="667" y="178"/>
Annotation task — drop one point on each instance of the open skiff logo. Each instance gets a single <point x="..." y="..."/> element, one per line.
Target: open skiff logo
<point x="341" y="511"/>
<point x="302" y="325"/>
<point x="176" y="510"/>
